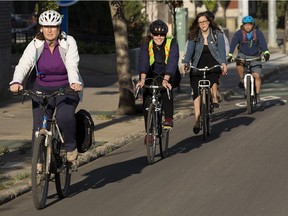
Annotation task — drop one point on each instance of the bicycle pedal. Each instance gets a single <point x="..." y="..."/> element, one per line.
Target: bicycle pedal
<point x="74" y="167"/>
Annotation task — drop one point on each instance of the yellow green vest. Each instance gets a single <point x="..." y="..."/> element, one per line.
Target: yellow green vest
<point x="167" y="50"/>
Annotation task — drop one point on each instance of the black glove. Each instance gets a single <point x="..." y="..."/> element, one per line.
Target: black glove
<point x="266" y="55"/>
<point x="230" y="58"/>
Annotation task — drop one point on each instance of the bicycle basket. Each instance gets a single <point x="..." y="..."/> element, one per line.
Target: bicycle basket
<point x="84" y="130"/>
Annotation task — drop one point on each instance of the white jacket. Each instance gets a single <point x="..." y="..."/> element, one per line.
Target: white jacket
<point x="68" y="52"/>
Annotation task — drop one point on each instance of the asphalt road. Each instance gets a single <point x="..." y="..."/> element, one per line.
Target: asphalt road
<point x="241" y="170"/>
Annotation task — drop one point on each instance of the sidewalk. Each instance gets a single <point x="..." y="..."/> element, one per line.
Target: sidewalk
<point x="111" y="131"/>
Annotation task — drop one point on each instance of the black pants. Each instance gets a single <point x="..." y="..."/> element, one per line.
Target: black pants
<point x="66" y="106"/>
<point x="167" y="104"/>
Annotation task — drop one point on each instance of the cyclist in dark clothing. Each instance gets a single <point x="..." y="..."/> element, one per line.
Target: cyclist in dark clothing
<point x="251" y="43"/>
<point x="159" y="55"/>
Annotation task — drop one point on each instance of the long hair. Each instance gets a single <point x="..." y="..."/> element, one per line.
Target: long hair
<point x="194" y="29"/>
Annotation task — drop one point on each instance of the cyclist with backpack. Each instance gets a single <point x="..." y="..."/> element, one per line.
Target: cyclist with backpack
<point x="49" y="63"/>
<point x="158" y="58"/>
<point x="251" y="43"/>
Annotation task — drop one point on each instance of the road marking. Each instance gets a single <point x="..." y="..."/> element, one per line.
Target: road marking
<point x="267" y="100"/>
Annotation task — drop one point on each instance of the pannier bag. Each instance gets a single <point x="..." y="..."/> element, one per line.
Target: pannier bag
<point x="84" y="130"/>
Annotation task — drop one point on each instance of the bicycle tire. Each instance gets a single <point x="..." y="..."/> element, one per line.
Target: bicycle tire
<point x="165" y="143"/>
<point x="40" y="181"/>
<point x="249" y="99"/>
<point x="203" y="114"/>
<point x="208" y="113"/>
<point x="151" y="131"/>
<point x="63" y="174"/>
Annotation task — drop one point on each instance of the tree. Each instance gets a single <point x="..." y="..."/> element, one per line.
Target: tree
<point x="173" y="4"/>
<point x="126" y="98"/>
<point x="210" y="4"/>
<point x="225" y="5"/>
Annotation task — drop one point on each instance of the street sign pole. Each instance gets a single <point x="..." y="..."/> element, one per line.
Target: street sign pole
<point x="64" y="12"/>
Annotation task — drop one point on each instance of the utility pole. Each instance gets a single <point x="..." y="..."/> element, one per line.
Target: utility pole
<point x="272" y="24"/>
<point x="243" y="8"/>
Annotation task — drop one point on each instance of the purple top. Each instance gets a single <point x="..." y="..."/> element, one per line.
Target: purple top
<point x="51" y="68"/>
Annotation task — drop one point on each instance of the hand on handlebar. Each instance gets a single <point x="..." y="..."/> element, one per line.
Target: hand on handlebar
<point x="184" y="69"/>
<point x="16" y="87"/>
<point x="76" y="87"/>
<point x="230" y="57"/>
<point x="224" y="69"/>
<point x="166" y="84"/>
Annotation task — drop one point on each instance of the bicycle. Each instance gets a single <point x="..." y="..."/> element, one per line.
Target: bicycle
<point x="49" y="152"/>
<point x="249" y="82"/>
<point x="206" y="106"/>
<point x="154" y="128"/>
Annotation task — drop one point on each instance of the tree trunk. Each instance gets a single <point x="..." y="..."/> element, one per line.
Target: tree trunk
<point x="126" y="98"/>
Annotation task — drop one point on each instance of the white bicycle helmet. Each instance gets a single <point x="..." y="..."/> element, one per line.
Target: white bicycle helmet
<point x="50" y="18"/>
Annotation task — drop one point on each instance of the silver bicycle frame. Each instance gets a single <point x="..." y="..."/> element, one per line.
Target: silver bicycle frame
<point x="252" y="83"/>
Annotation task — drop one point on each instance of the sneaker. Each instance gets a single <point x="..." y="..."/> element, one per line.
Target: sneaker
<point x="72" y="156"/>
<point x="196" y="128"/>
<point x="168" y="122"/>
<point x="241" y="84"/>
<point x="216" y="105"/>
<point x="258" y="100"/>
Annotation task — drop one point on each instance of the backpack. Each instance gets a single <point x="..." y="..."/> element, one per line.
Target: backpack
<point x="244" y="39"/>
<point x="227" y="44"/>
<point x="84" y="130"/>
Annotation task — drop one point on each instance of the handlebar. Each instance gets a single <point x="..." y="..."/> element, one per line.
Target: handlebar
<point x="244" y="60"/>
<point x="37" y="95"/>
<point x="206" y="69"/>
<point x="153" y="87"/>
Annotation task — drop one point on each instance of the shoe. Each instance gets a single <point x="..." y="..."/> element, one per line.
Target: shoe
<point x="241" y="84"/>
<point x="216" y="105"/>
<point x="168" y="122"/>
<point x="72" y="156"/>
<point x="196" y="128"/>
<point x="258" y="100"/>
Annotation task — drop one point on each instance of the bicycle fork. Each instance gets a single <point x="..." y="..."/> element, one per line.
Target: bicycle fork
<point x="252" y="83"/>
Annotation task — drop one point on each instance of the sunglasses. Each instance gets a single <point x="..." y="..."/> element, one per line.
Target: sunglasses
<point x="160" y="34"/>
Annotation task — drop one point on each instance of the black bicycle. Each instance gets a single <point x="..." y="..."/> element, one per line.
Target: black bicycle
<point x="49" y="156"/>
<point x="249" y="82"/>
<point x="156" y="133"/>
<point x="206" y="106"/>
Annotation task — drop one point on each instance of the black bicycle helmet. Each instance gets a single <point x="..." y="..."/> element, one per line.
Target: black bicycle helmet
<point x="158" y="27"/>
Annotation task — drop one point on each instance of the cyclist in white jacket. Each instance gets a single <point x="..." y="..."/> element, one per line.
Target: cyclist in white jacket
<point x="50" y="62"/>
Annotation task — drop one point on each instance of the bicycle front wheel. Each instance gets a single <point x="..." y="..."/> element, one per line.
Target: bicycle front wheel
<point x="249" y="99"/>
<point x="151" y="136"/>
<point x="203" y="101"/>
<point x="63" y="175"/>
<point x="40" y="176"/>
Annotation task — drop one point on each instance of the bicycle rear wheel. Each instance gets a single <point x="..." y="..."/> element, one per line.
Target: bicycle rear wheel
<point x="249" y="99"/>
<point x="40" y="178"/>
<point x="63" y="174"/>
<point x="151" y="138"/>
<point x="203" y="108"/>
